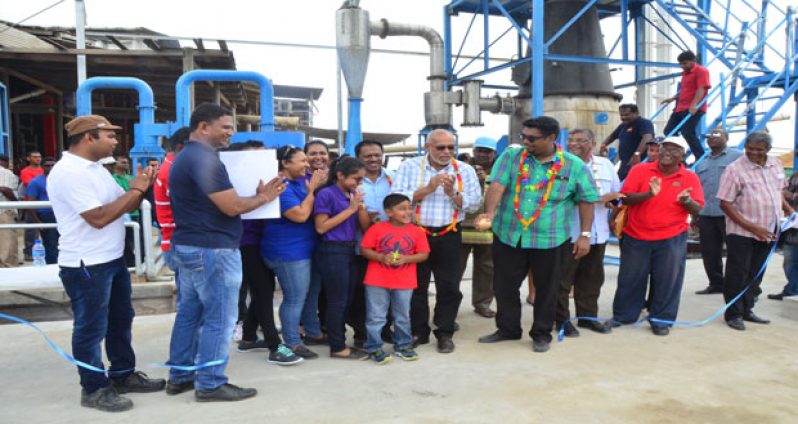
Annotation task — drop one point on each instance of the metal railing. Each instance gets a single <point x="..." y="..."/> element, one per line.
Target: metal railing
<point x="150" y="265"/>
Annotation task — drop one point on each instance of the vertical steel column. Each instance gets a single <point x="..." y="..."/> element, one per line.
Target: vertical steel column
<point x="625" y="32"/>
<point x="447" y="46"/>
<point x="485" y="35"/>
<point x="795" y="136"/>
<point x="538" y="52"/>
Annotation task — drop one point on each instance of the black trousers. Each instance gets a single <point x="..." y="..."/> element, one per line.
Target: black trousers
<point x="444" y="264"/>
<point x="510" y="268"/>
<point x="356" y="318"/>
<point x="586" y="275"/>
<point x="712" y="235"/>
<point x="260" y="281"/>
<point x="744" y="258"/>
<point x="688" y="130"/>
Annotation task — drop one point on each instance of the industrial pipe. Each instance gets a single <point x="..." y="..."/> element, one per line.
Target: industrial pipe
<point x="183" y="103"/>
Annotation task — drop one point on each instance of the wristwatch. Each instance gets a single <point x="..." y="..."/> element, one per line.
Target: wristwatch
<point x="585" y="234"/>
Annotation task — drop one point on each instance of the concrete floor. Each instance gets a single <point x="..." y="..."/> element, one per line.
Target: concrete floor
<point x="710" y="374"/>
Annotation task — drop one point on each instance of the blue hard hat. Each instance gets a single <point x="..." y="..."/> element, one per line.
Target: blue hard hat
<point x="486" y="143"/>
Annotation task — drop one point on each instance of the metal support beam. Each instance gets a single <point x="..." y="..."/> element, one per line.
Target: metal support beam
<point x="538" y="50"/>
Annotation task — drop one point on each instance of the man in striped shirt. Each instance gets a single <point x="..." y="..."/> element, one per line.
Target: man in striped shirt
<point x="750" y="196"/>
<point x="443" y="190"/>
<point x="163" y="206"/>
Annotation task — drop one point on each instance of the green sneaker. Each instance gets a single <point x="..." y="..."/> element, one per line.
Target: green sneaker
<point x="407" y="354"/>
<point x="380" y="357"/>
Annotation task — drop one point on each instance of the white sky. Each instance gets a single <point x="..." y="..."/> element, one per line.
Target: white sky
<point x="393" y="95"/>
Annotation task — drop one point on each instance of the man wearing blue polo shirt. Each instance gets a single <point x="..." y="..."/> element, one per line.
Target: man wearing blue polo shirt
<point x="205" y="245"/>
<point x="632" y="135"/>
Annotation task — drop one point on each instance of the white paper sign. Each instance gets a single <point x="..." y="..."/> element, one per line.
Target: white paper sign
<point x="246" y="169"/>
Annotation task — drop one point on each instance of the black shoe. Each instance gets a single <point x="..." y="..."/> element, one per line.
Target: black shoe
<point x="257" y="346"/>
<point x="777" y="296"/>
<point x="736" y="323"/>
<point x="615" y="324"/>
<point x="303" y="352"/>
<point x="105" y="399"/>
<point x="420" y="340"/>
<point x="752" y="317"/>
<point x="177" y="388"/>
<point x="540" y="346"/>
<point x="225" y="393"/>
<point x="496" y="337"/>
<point x="660" y="330"/>
<point x="598" y="327"/>
<point x="138" y="382"/>
<point x="710" y="290"/>
<point x="569" y="329"/>
<point x="445" y="344"/>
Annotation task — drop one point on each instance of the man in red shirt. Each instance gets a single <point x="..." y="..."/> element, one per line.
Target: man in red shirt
<point x="659" y="196"/>
<point x="28" y="173"/>
<point x="694" y="87"/>
<point x="163" y="205"/>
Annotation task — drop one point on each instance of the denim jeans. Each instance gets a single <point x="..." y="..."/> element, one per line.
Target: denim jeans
<point x="208" y="282"/>
<point x="336" y="264"/>
<point x="791" y="270"/>
<point x="378" y="299"/>
<point x="294" y="278"/>
<point x="100" y="297"/>
<point x="665" y="261"/>
<point x="49" y="239"/>
<point x="310" y="311"/>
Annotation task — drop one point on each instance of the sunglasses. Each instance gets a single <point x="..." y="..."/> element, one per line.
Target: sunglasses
<point x="289" y="150"/>
<point x="530" y="138"/>
<point x="442" y="148"/>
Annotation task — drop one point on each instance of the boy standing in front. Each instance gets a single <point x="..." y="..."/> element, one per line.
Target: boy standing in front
<point x="393" y="249"/>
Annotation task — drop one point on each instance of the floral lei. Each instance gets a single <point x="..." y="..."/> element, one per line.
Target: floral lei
<point x="453" y="225"/>
<point x="523" y="181"/>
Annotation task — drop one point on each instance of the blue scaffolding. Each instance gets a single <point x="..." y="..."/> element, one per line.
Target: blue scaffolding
<point x="756" y="45"/>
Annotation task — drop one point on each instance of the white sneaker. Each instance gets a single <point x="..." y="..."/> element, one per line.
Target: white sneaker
<point x="238" y="333"/>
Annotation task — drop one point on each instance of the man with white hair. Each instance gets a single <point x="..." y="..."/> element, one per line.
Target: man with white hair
<point x="442" y="190"/>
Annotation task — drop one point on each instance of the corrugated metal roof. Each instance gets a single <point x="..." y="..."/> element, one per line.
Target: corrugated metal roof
<point x="16" y="39"/>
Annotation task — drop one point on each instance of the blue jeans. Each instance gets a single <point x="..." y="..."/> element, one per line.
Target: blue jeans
<point x="208" y="283"/>
<point x="791" y="270"/>
<point x="294" y="278"/>
<point x="310" y="311"/>
<point x="378" y="299"/>
<point x="49" y="238"/>
<point x="100" y="297"/>
<point x="665" y="260"/>
<point x="336" y="264"/>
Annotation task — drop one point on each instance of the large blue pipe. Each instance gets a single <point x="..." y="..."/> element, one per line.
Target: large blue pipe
<point x="354" y="134"/>
<point x="185" y="81"/>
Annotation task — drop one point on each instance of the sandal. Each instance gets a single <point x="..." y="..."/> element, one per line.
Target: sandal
<point x="354" y="354"/>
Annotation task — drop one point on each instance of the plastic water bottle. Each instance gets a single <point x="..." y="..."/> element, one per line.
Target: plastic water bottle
<point x="38" y="254"/>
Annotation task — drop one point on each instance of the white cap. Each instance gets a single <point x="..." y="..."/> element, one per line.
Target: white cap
<point x="679" y="141"/>
<point x="109" y="160"/>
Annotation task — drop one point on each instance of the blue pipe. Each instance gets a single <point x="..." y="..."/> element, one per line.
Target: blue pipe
<point x="538" y="50"/>
<point x="266" y="93"/>
<point x="354" y="134"/>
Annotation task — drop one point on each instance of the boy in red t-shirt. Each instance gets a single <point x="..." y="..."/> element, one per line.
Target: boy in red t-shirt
<point x="393" y="249"/>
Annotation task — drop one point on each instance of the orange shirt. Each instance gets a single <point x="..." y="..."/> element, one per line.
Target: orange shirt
<point x="387" y="238"/>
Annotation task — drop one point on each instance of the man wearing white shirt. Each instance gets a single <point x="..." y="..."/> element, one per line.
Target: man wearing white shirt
<point x="88" y="207"/>
<point x="586" y="274"/>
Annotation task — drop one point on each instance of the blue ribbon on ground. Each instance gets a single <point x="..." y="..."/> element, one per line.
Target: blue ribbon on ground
<point x="89" y="367"/>
<point x="787" y="224"/>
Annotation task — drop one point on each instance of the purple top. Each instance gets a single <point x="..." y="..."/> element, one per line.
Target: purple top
<point x="251" y="232"/>
<point x="331" y="201"/>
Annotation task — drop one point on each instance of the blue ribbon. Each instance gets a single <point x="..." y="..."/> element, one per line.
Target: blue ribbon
<point x="781" y="228"/>
<point x="90" y="367"/>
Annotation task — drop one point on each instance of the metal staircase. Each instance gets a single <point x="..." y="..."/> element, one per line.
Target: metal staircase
<point x="757" y="45"/>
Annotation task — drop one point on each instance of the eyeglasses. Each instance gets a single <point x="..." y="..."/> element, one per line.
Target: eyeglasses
<point x="446" y="147"/>
<point x="289" y="150"/>
<point x="529" y="138"/>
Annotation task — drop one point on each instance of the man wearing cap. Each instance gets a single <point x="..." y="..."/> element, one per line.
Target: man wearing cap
<point x="88" y="207"/>
<point x="652" y="148"/>
<point x="205" y="248"/>
<point x="750" y="196"/>
<point x="532" y="189"/>
<point x="659" y="196"/>
<point x="586" y="275"/>
<point x="711" y="220"/>
<point x="479" y="242"/>
<point x="632" y="134"/>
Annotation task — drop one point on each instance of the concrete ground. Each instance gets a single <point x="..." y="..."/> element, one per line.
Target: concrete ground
<point x="710" y="374"/>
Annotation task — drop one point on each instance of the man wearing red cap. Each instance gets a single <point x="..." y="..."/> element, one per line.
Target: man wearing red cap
<point x="88" y="206"/>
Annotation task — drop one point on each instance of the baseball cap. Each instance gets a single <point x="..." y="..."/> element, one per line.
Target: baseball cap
<point x="86" y="123"/>
<point x="679" y="141"/>
<point x="485" y="143"/>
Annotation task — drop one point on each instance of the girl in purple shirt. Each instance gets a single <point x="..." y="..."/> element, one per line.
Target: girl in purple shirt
<point x="338" y="211"/>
